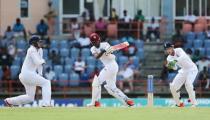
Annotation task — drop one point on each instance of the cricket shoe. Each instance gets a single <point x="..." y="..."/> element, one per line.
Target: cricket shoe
<point x="95" y="104"/>
<point x="180" y="105"/>
<point x="129" y="103"/>
<point x="7" y="104"/>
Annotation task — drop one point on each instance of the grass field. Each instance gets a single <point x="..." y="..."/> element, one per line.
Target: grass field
<point x="105" y="113"/>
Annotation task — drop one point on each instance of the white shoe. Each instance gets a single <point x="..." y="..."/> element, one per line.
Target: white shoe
<point x="96" y="104"/>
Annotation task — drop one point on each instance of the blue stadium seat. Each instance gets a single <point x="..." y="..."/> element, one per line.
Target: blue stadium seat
<point x="69" y="61"/>
<point x="63" y="79"/>
<point x="68" y="69"/>
<point x="136" y="61"/>
<point x="58" y="69"/>
<point x="200" y="35"/>
<point x="140" y="54"/>
<point x="15" y="69"/>
<point x="64" y="52"/>
<point x="208" y="52"/>
<point x="190" y="36"/>
<point x="16" y="61"/>
<point x="114" y="42"/>
<point x="139" y="44"/>
<point x="48" y="63"/>
<point x="74" y="79"/>
<point x="91" y="60"/>
<point x="63" y="44"/>
<point x="85" y="52"/>
<point x="189" y="44"/>
<point x="207" y="43"/>
<point x="198" y="43"/>
<point x="90" y="69"/>
<point x="54" y="44"/>
<point x="74" y="53"/>
<point x="202" y="51"/>
<point x="21" y="44"/>
<point x="122" y="60"/>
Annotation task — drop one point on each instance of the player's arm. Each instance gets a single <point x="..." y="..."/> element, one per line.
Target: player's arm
<point x="181" y="55"/>
<point x="98" y="55"/>
<point x="40" y="68"/>
<point x="36" y="58"/>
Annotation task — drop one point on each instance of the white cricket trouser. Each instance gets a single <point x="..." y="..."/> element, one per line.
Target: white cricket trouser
<point x="187" y="78"/>
<point x="30" y="80"/>
<point x="109" y="74"/>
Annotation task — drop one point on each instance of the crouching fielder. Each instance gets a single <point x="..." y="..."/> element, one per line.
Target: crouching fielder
<point x="107" y="75"/>
<point x="31" y="76"/>
<point x="186" y="75"/>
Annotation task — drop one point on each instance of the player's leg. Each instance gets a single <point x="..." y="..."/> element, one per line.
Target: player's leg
<point x="96" y="92"/>
<point x="189" y="86"/>
<point x="46" y="89"/>
<point x="175" y="87"/>
<point x="110" y="77"/>
<point x="23" y="99"/>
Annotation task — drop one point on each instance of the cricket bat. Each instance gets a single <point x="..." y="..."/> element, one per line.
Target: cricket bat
<point x="117" y="47"/>
<point x="120" y="46"/>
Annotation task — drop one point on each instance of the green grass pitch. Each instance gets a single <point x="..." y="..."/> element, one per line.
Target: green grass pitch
<point x="143" y="113"/>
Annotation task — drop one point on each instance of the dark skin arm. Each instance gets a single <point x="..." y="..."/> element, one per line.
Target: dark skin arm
<point x="97" y="56"/>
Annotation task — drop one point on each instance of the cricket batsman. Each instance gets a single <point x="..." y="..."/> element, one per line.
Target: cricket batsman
<point x="107" y="76"/>
<point x="31" y="76"/>
<point x="186" y="75"/>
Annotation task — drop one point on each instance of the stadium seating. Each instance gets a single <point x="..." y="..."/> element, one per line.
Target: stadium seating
<point x="63" y="79"/>
<point x="122" y="60"/>
<point x="90" y="60"/>
<point x="207" y="43"/>
<point x="74" y="80"/>
<point x="68" y="68"/>
<point x="202" y="51"/>
<point x="58" y="69"/>
<point x="68" y="61"/>
<point x="63" y="44"/>
<point x="189" y="43"/>
<point x="200" y="36"/>
<point x="198" y="43"/>
<point x="64" y="52"/>
<point x="190" y="36"/>
<point x="208" y="52"/>
<point x="85" y="52"/>
<point x="15" y="69"/>
<point x="75" y="53"/>
<point x="21" y="44"/>
<point x="140" y="53"/>
<point x="90" y="69"/>
<point x="139" y="43"/>
<point x="16" y="61"/>
<point x="54" y="44"/>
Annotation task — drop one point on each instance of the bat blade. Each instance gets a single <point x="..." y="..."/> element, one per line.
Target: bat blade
<point x="120" y="46"/>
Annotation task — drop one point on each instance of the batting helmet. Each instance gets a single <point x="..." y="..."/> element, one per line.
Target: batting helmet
<point x="167" y="45"/>
<point x="34" y="39"/>
<point x="94" y="37"/>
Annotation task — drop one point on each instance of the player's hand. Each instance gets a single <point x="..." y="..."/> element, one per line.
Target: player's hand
<point x="172" y="64"/>
<point x="103" y="50"/>
<point x="109" y="50"/>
